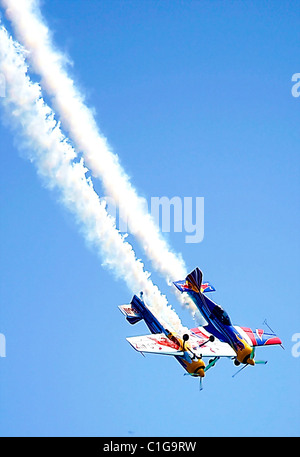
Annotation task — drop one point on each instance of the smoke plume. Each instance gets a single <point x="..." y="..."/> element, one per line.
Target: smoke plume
<point x="56" y="162"/>
<point x="77" y="119"/>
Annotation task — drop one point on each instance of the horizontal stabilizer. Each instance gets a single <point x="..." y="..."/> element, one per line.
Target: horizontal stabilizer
<point x="132" y="315"/>
<point x="207" y="287"/>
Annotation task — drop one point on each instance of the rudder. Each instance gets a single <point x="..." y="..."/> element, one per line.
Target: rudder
<point x="192" y="282"/>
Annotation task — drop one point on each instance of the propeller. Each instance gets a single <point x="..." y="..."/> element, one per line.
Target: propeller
<point x="200" y="384"/>
<point x="195" y="376"/>
<point x="237" y="372"/>
<point x="256" y="362"/>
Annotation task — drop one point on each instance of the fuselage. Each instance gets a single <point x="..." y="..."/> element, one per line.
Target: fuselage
<point x="219" y="324"/>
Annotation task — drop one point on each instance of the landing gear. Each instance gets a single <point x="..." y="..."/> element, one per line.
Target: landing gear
<point x="211" y="339"/>
<point x="185" y="338"/>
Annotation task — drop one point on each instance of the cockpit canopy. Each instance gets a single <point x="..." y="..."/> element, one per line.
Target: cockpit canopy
<point x="221" y="314"/>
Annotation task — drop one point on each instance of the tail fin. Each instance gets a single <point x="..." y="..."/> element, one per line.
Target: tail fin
<point x="192" y="282"/>
<point x="132" y="315"/>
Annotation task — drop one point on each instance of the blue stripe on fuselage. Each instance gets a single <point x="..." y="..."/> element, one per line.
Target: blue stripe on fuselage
<point x="151" y="321"/>
<point x="224" y="332"/>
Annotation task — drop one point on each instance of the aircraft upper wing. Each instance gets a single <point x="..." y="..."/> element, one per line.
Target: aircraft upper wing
<point x="156" y="343"/>
<point x="259" y="337"/>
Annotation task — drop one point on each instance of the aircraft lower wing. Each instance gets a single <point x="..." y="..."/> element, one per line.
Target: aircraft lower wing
<point x="156" y="343"/>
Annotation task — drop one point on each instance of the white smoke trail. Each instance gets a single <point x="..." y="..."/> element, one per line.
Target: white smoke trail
<point x="80" y="124"/>
<point x="53" y="157"/>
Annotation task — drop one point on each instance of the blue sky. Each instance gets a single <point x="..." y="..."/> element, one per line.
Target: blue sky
<point x="195" y="98"/>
